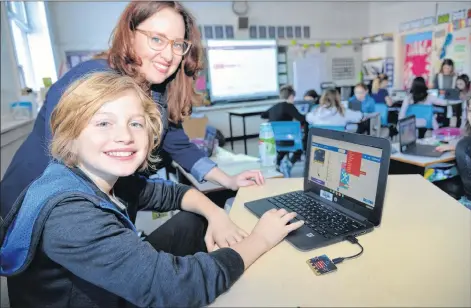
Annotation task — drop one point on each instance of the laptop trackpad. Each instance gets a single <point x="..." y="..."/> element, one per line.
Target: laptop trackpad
<point x="259" y="207"/>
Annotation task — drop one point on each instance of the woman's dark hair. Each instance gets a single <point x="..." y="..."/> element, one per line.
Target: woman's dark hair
<point x="466" y="81"/>
<point x="312" y="93"/>
<point x="122" y="56"/>
<point x="419" y="90"/>
<point x="448" y="62"/>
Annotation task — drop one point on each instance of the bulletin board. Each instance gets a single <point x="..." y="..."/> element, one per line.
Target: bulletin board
<point x="446" y="36"/>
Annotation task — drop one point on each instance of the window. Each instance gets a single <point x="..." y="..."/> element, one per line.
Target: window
<point x="32" y="43"/>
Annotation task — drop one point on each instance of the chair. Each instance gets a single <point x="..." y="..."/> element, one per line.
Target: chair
<point x="288" y="135"/>
<point x="331" y="127"/>
<point x="382" y="109"/>
<point x="424" y="112"/>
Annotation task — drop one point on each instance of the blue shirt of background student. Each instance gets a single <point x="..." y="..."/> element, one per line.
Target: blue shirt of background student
<point x="380" y="97"/>
<point x="367" y="105"/>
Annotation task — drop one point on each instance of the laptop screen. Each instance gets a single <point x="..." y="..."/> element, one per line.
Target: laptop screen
<point x="343" y="170"/>
<point x="407" y="131"/>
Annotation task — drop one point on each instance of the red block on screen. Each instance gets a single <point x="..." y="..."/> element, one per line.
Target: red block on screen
<point x="353" y="163"/>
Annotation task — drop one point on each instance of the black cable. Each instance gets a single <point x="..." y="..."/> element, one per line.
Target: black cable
<point x="352" y="240"/>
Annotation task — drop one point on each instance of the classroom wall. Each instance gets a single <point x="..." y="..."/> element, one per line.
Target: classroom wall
<point x="70" y="32"/>
<point x="386" y="17"/>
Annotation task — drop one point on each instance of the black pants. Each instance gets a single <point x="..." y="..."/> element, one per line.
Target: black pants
<point x="364" y="127"/>
<point x="294" y="158"/>
<point x="463" y="163"/>
<point x="181" y="235"/>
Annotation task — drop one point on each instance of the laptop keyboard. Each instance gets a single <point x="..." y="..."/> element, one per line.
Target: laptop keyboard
<point x="319" y="218"/>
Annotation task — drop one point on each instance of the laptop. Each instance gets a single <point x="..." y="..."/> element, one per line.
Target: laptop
<point x="433" y="92"/>
<point x="407" y="139"/>
<point x="354" y="105"/>
<point x="344" y="186"/>
<point x="452" y="94"/>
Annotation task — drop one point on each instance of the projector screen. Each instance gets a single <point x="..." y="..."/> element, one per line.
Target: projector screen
<point x="242" y="69"/>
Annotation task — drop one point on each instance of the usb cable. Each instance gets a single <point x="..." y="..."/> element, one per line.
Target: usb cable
<point x="352" y="240"/>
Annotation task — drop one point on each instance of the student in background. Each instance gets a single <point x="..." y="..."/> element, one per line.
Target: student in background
<point x="463" y="84"/>
<point x="84" y="251"/>
<point x="367" y="105"/>
<point x="418" y="95"/>
<point x="463" y="157"/>
<point x="446" y="78"/>
<point x="379" y="90"/>
<point x="285" y="111"/>
<point x="332" y="112"/>
<point x="311" y="95"/>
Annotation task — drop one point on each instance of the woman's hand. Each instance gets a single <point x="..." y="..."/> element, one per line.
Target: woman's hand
<point x="273" y="226"/>
<point x="246" y="178"/>
<point x="445" y="148"/>
<point x="222" y="231"/>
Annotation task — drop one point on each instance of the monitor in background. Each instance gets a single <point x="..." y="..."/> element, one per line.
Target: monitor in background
<point x="433" y="92"/>
<point x="345" y="171"/>
<point x="407" y="131"/>
<point x="242" y="69"/>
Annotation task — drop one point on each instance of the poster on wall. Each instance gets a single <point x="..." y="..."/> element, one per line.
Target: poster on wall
<point x="459" y="53"/>
<point x="417" y="60"/>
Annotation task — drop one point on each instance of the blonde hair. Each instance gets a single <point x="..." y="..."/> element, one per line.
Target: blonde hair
<point x="83" y="99"/>
<point x="331" y="98"/>
<point x="377" y="83"/>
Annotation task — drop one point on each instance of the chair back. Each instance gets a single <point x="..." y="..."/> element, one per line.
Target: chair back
<point x="424" y="112"/>
<point x="331" y="127"/>
<point x="382" y="109"/>
<point x="287" y="132"/>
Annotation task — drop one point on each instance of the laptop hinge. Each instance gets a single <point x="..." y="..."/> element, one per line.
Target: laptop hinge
<point x="339" y="208"/>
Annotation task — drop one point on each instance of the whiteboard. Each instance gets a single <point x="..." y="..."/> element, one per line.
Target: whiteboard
<point x="308" y="73"/>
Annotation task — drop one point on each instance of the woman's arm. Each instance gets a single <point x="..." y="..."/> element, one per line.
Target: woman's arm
<point x="193" y="160"/>
<point x="404" y="106"/>
<point x="353" y="116"/>
<point x="185" y="153"/>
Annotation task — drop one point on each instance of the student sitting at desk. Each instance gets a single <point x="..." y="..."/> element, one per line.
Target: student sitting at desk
<point x="332" y="112"/>
<point x="419" y="95"/>
<point x="463" y="84"/>
<point x="446" y="78"/>
<point x="367" y="105"/>
<point x="285" y="111"/>
<point x="69" y="241"/>
<point x="311" y="95"/>
<point x="463" y="157"/>
<point x="379" y="90"/>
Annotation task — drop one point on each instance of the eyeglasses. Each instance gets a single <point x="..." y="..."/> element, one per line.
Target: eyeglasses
<point x="158" y="42"/>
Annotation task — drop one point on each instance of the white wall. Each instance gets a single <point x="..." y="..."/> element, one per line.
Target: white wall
<point x="70" y="32"/>
<point x="10" y="85"/>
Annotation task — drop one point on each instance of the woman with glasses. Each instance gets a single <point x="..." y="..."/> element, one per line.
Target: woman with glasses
<point x="158" y="44"/>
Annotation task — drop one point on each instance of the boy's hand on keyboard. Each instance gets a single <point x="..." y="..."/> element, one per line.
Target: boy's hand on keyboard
<point x="273" y="226"/>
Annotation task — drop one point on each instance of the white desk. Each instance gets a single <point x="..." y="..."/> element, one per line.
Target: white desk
<point x="421" y="161"/>
<point x="231" y="164"/>
<point x="418" y="257"/>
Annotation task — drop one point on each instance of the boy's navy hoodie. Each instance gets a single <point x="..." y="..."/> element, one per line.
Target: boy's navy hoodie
<point x="33" y="155"/>
<point x="65" y="244"/>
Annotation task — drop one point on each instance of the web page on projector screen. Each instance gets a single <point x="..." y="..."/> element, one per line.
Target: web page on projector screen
<point x="242" y="69"/>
